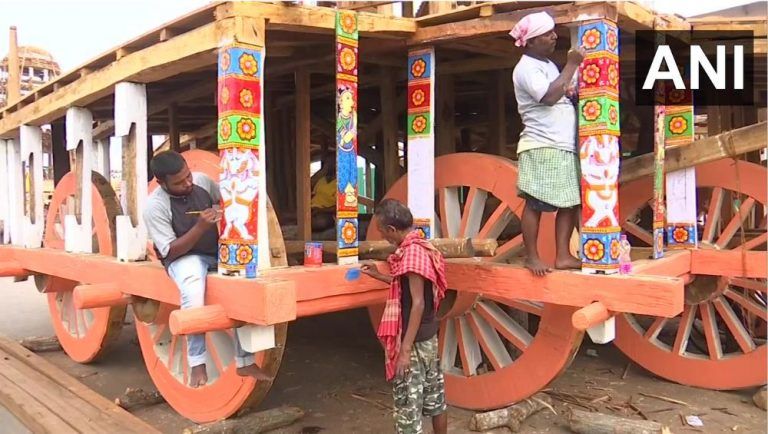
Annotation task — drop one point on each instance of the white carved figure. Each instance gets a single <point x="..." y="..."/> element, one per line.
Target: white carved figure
<point x="239" y="187"/>
<point x="600" y="168"/>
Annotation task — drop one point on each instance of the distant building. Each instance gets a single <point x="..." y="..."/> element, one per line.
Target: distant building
<point x="37" y="68"/>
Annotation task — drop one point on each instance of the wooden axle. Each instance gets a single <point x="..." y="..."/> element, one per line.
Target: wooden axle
<point x="379" y="250"/>
<point x="590" y="315"/>
<point x="200" y="320"/>
<point x="99" y="295"/>
<point x="12" y="269"/>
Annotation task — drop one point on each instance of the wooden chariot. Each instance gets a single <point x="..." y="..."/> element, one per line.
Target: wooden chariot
<point x="265" y="83"/>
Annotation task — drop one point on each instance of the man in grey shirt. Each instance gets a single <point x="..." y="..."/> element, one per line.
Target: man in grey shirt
<point x="181" y="219"/>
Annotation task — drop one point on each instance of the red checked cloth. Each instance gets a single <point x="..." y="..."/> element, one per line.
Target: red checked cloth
<point x="418" y="256"/>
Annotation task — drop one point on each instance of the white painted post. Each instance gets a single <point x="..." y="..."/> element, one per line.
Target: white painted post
<point x="5" y="204"/>
<point x="101" y="157"/>
<point x="15" y="192"/>
<point x="131" y="126"/>
<point x="33" y="222"/>
<point x="78" y="235"/>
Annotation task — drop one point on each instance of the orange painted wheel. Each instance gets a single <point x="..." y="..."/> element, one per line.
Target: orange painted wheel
<point x="165" y="355"/>
<point x="84" y="334"/>
<point x="718" y="342"/>
<point x="494" y="352"/>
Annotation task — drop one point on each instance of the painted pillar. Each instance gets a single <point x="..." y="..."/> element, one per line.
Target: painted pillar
<point x="242" y="180"/>
<point x="346" y="136"/>
<point x="78" y="232"/>
<point x="681" y="228"/>
<point x="658" y="177"/>
<point x="13" y="230"/>
<point x="421" y="139"/>
<point x="599" y="132"/>
<point x="33" y="218"/>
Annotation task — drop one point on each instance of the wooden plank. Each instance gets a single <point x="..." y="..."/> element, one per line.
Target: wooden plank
<point x="303" y="127"/>
<point x="389" y="116"/>
<point x="648" y="295"/>
<point x="674" y="264"/>
<point x="29" y="411"/>
<point x="724" y="145"/>
<point x="182" y="53"/>
<point x="730" y="263"/>
<point x="52" y="374"/>
<point x="173" y="127"/>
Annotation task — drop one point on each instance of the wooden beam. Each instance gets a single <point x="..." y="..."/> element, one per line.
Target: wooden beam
<point x="303" y="126"/>
<point x="13" y="88"/>
<point x="477" y="64"/>
<point x="497" y="98"/>
<point x="173" y="126"/>
<point x="445" y="127"/>
<point x="389" y="116"/>
<point x="730" y="263"/>
<point x="501" y="23"/>
<point x="729" y="144"/>
<point x="190" y="50"/>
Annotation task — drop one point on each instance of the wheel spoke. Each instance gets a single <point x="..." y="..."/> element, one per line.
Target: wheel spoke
<point x="638" y="232"/>
<point x="472" y="216"/>
<point x="469" y="349"/>
<point x="730" y="229"/>
<point x="509" y="249"/>
<point x="184" y="362"/>
<point x="753" y="285"/>
<point x="684" y="330"/>
<point x="496" y="223"/>
<point x="713" y="215"/>
<point x="738" y="331"/>
<point x="210" y="346"/>
<point x="450" y="212"/>
<point x="171" y="352"/>
<point x="754" y="242"/>
<point x="714" y="346"/>
<point x="749" y="305"/>
<point x="509" y="328"/>
<point x="159" y="331"/>
<point x="530" y="307"/>
<point x="448" y="345"/>
<point x="653" y="331"/>
<point x="490" y="342"/>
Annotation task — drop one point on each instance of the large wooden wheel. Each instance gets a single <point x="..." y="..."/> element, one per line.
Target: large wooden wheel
<point x="494" y="351"/>
<point x="718" y="342"/>
<point x="165" y="355"/>
<point x="84" y="334"/>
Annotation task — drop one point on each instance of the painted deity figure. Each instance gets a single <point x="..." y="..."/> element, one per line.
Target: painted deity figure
<point x="238" y="183"/>
<point x="600" y="167"/>
<point x="346" y="135"/>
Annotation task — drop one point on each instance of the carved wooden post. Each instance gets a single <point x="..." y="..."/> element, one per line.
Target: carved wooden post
<point x="599" y="146"/>
<point x="131" y="127"/>
<point x="15" y="193"/>
<point x="33" y="220"/>
<point x="101" y="157"/>
<point x="242" y="181"/>
<point x="421" y="139"/>
<point x="346" y="136"/>
<point x="78" y="228"/>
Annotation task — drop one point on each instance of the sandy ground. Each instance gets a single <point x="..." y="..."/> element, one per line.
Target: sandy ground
<point x="331" y="357"/>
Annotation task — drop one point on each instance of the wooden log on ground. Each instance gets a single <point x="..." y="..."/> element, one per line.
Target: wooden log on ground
<point x="40" y="344"/>
<point x="727" y="144"/>
<point x="760" y="398"/>
<point x="200" y="320"/>
<point x="585" y="422"/>
<point x="138" y="397"/>
<point x="251" y="423"/>
<point x="511" y="417"/>
<point x="590" y="315"/>
<point x="99" y="295"/>
<point x="379" y="250"/>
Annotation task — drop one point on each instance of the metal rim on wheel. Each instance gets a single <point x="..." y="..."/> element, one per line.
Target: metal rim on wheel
<point x="165" y="355"/>
<point x="84" y="334"/>
<point x="494" y="352"/>
<point x="718" y="341"/>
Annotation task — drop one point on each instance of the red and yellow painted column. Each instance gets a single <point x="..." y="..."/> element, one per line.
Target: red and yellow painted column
<point x="599" y="131"/>
<point x="681" y="228"/>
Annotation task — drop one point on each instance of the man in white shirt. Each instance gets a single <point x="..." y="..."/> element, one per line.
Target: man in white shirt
<point x="548" y="169"/>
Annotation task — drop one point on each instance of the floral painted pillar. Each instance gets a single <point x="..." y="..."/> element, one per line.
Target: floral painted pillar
<point x="599" y="146"/>
<point x="346" y="136"/>
<point x="241" y="148"/>
<point x="421" y="139"/>
<point x="681" y="228"/>
<point x="658" y="176"/>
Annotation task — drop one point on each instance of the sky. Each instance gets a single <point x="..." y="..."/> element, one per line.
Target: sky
<point x="75" y="31"/>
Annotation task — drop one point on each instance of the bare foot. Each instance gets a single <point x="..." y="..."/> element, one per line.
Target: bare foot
<point x="568" y="263"/>
<point x="537" y="267"/>
<point x="199" y="376"/>
<point x="255" y="372"/>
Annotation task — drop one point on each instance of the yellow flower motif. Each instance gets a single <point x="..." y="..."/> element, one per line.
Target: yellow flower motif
<point x="223" y="253"/>
<point x="246" y="129"/>
<point x="224" y="95"/>
<point x="226" y="129"/>
<point x="613" y="75"/>
<point x="590" y="39"/>
<point x="418" y="68"/>
<point x="594" y="250"/>
<point x="591" y="110"/>
<point x="680" y="234"/>
<point x="225" y="61"/>
<point x="248" y="64"/>
<point x="244" y="254"/>
<point x="676" y="95"/>
<point x="613" y="40"/>
<point x="615" y="249"/>
<point x="246" y="98"/>
<point x="349" y="233"/>
<point x="678" y="125"/>
<point x="590" y="74"/>
<point x="418" y="97"/>
<point x="660" y="241"/>
<point x="347" y="59"/>
<point x="348" y="23"/>
<point x="419" y="124"/>
<point x="613" y="115"/>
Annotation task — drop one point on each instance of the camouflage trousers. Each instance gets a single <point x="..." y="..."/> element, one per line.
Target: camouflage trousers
<point x="421" y="391"/>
